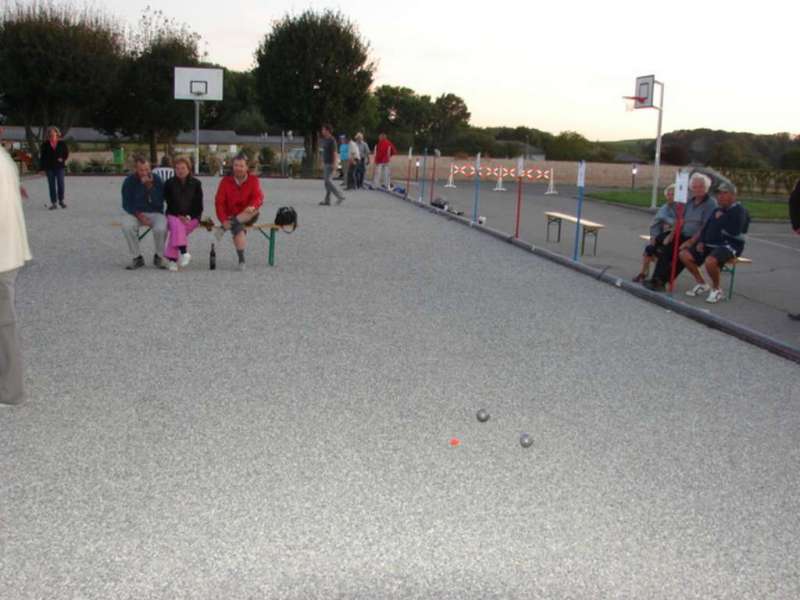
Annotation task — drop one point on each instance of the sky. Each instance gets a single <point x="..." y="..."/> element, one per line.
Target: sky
<point x="556" y="66"/>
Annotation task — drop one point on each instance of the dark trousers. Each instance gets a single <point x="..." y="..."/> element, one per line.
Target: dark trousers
<point x="663" y="268"/>
<point x="361" y="168"/>
<point x="55" y="181"/>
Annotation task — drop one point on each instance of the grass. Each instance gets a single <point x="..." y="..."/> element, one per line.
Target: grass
<point x="759" y="208"/>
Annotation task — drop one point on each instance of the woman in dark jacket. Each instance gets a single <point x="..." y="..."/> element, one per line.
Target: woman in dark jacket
<point x="53" y="159"/>
<point x="184" y="196"/>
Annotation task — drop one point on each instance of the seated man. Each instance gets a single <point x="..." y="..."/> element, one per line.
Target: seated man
<point x="660" y="233"/>
<point x="239" y="197"/>
<point x="721" y="239"/>
<point x="143" y="203"/>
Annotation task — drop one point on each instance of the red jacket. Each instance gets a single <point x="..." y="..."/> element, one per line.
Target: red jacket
<point x="384" y="151"/>
<point x="233" y="198"/>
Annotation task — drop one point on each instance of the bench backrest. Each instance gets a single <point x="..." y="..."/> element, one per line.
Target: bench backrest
<point x="164" y="173"/>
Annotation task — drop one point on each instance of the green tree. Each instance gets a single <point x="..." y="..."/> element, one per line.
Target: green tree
<point x="450" y="115"/>
<point x="404" y="116"/>
<point x="568" y="145"/>
<point x="57" y="65"/>
<point x="143" y="103"/>
<point x="791" y="159"/>
<point x="311" y="69"/>
<point x="239" y="109"/>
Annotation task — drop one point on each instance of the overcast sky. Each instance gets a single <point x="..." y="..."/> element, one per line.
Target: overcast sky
<point x="556" y="66"/>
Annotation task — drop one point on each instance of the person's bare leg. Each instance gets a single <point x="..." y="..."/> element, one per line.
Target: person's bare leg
<point x="240" y="240"/>
<point x="712" y="266"/>
<point x="646" y="260"/>
<point x="688" y="262"/>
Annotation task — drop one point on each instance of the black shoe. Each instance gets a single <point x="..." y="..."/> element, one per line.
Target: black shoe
<point x="53" y="207"/>
<point x="654" y="285"/>
<point x="323" y="203"/>
<point x="137" y="263"/>
<point x="62" y="204"/>
<point x="158" y="262"/>
<point x="794" y="316"/>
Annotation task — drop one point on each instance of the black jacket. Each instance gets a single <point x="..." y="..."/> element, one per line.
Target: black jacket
<point x="794" y="206"/>
<point x="48" y="158"/>
<point x="184" y="198"/>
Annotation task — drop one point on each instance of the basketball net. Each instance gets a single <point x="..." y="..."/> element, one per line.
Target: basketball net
<point x="630" y="102"/>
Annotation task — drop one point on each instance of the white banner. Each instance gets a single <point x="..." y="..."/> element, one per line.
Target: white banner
<point x="582" y="174"/>
<point x="682" y="186"/>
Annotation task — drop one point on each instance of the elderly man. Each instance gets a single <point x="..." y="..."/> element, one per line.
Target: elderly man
<point x="143" y="203"/>
<point x="238" y="199"/>
<point x="720" y="240"/>
<point x="695" y="215"/>
<point x="14" y="252"/>
<point x="363" y="152"/>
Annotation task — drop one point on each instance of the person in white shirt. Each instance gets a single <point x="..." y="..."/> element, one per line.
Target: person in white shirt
<point x="14" y="251"/>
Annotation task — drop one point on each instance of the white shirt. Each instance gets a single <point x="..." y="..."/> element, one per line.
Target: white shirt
<point x="354" y="152"/>
<point x="14" y="250"/>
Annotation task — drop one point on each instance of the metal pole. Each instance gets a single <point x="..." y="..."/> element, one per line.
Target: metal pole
<point x="408" y="174"/>
<point x="196" y="137"/>
<point x="581" y="185"/>
<point x="433" y="174"/>
<point x="477" y="187"/>
<point x="283" y="153"/>
<point x="424" y="167"/>
<point x="658" y="149"/>
<point x="520" y="168"/>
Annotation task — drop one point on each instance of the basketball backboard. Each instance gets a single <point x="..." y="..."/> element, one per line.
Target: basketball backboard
<point x="198" y="84"/>
<point x="645" y="91"/>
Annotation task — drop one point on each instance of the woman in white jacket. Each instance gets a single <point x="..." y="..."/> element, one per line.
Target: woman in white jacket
<point x="14" y="251"/>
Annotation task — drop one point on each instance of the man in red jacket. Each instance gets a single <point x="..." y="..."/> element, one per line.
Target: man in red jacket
<point x="384" y="150"/>
<point x="239" y="197"/>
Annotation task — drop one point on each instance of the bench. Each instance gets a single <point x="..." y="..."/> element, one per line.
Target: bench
<point x="728" y="267"/>
<point x="587" y="227"/>
<point x="208" y="225"/>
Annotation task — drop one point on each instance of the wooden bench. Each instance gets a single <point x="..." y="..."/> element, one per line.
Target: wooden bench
<point x="587" y="227"/>
<point x="268" y="230"/>
<point x="728" y="267"/>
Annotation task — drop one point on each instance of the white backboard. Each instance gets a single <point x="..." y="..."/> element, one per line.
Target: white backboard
<point x="198" y="84"/>
<point x="645" y="88"/>
<point x="682" y="186"/>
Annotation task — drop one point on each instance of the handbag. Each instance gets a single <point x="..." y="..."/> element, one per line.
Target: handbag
<point x="286" y="217"/>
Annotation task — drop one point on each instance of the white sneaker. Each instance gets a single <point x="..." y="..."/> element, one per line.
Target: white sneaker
<point x="714" y="296"/>
<point x="219" y="232"/>
<point x="185" y="259"/>
<point x="698" y="290"/>
<point x="172" y="266"/>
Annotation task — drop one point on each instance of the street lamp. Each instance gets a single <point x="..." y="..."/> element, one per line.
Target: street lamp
<point x="417" y="172"/>
<point x="634" y="170"/>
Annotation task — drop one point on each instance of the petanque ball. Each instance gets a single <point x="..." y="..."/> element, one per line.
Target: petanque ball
<point x="525" y="440"/>
<point x="483" y="415"/>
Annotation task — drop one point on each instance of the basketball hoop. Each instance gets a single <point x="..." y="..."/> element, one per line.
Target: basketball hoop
<point x="632" y="101"/>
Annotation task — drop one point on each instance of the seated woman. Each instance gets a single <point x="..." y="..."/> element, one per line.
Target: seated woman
<point x="184" y="196"/>
<point x="660" y="233"/>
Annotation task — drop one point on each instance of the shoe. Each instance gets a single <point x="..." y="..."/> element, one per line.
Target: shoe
<point x="638" y="279"/>
<point x="794" y="316"/>
<point x="184" y="261"/>
<point x="340" y="200"/>
<point x="158" y="262"/>
<point x="53" y="207"/>
<point x="698" y="290"/>
<point x="242" y="266"/>
<point x="654" y="285"/>
<point x="323" y="203"/>
<point x="714" y="296"/>
<point x="62" y="204"/>
<point x="172" y="266"/>
<point x="137" y="263"/>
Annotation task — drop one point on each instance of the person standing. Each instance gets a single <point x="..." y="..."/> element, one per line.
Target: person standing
<point x="794" y="215"/>
<point x="238" y="199"/>
<point x="143" y="203"/>
<point x="14" y="251"/>
<point x="384" y="150"/>
<point x="184" y="196"/>
<point x="53" y="159"/>
<point x="354" y="158"/>
<point x="329" y="159"/>
<point x="344" y="156"/>
<point x="363" y="151"/>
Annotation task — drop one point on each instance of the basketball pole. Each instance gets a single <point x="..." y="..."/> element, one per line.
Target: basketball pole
<point x="197" y="137"/>
<point x="657" y="162"/>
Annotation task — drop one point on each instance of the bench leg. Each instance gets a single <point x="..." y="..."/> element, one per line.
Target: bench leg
<point x="733" y="276"/>
<point x="271" y="238"/>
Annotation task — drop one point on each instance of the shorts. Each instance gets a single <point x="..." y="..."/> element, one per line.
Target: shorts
<point x="721" y="253"/>
<point x="657" y="247"/>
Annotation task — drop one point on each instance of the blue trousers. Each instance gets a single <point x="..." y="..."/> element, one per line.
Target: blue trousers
<point x="55" y="181"/>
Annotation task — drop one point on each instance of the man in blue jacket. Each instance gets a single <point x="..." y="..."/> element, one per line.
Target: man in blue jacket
<point x="721" y="239"/>
<point x="143" y="203"/>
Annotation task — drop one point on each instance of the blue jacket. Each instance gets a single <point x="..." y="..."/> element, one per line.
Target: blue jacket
<point x="136" y="198"/>
<point x="665" y="219"/>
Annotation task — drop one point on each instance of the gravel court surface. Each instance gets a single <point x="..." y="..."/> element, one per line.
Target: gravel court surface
<point x="283" y="432"/>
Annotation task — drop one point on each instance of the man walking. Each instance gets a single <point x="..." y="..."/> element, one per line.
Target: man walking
<point x="14" y="251"/>
<point x="329" y="159"/>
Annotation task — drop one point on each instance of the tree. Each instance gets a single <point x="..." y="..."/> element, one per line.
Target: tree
<point x="568" y="145"/>
<point x="57" y="65"/>
<point x="449" y="115"/>
<point x="143" y="103"/>
<point x="239" y="109"/>
<point x="311" y="69"/>
<point x="404" y="116"/>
